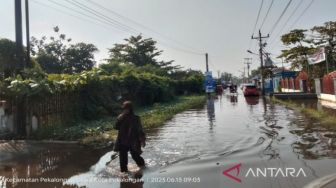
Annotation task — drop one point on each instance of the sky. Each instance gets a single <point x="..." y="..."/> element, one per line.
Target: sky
<point x="185" y="29"/>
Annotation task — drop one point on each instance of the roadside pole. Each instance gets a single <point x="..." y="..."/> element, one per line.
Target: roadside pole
<point x="207" y="62"/>
<point x="18" y="33"/>
<point x="261" y="46"/>
<point x="20" y="116"/>
<point x="248" y="62"/>
<point x="27" y="33"/>
<point x="207" y="74"/>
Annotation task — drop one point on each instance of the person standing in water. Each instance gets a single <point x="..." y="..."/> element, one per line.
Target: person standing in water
<point x="130" y="137"/>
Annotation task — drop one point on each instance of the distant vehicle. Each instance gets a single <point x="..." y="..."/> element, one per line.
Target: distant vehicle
<point x="219" y="89"/>
<point x="226" y="84"/>
<point x="233" y="88"/>
<point x="250" y="90"/>
<point x="245" y="84"/>
<point x="242" y="85"/>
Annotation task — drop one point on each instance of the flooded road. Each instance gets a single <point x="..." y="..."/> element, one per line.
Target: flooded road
<point x="231" y="142"/>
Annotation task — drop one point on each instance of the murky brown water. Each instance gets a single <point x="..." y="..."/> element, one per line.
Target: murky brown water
<point x="193" y="150"/>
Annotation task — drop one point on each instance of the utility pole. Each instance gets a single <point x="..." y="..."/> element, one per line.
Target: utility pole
<point x="261" y="46"/>
<point x="244" y="75"/>
<point x="283" y="68"/>
<point x="27" y="33"/>
<point x="20" y="116"/>
<point x="248" y="62"/>
<point x="206" y="61"/>
<point x="18" y="33"/>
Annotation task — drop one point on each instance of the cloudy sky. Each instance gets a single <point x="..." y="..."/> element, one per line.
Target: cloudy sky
<point x="184" y="29"/>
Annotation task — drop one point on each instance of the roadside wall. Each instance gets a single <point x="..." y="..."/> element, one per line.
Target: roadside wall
<point x="326" y="87"/>
<point x="295" y="84"/>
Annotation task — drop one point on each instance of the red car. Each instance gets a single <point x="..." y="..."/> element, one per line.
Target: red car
<point x="250" y="90"/>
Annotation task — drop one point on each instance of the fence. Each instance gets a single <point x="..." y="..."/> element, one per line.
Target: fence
<point x="328" y="84"/>
<point x="325" y="87"/>
<point x="294" y="84"/>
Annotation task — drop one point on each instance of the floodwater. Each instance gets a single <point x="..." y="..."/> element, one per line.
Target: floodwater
<point x="264" y="144"/>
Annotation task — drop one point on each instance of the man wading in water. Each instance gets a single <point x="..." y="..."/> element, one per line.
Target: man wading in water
<point x="130" y="137"/>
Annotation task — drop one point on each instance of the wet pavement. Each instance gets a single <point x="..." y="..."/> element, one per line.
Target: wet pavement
<point x="232" y="141"/>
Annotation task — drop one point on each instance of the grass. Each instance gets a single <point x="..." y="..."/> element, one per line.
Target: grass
<point x="160" y="113"/>
<point x="325" y="119"/>
<point x="100" y="133"/>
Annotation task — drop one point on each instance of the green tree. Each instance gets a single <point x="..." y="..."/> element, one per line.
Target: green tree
<point x="50" y="53"/>
<point x="254" y="72"/>
<point x="112" y="67"/>
<point x="298" y="49"/>
<point x="266" y="73"/>
<point x="326" y="37"/>
<point x="57" y="55"/>
<point x="140" y="52"/>
<point x="226" y="76"/>
<point x="8" y="61"/>
<point x="79" y="57"/>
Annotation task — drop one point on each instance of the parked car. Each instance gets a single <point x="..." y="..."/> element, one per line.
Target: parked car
<point x="250" y="90"/>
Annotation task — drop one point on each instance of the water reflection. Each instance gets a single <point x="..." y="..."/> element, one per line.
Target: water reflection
<point x="270" y="136"/>
<point x="271" y="130"/>
<point x="315" y="141"/>
<point x="46" y="161"/>
<point x="233" y="99"/>
<point x="211" y="110"/>
<point x="252" y="100"/>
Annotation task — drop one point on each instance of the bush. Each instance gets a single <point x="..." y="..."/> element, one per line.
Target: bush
<point x="94" y="94"/>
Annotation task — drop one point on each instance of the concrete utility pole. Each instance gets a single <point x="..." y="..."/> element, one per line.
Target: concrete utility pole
<point x="244" y="75"/>
<point x="283" y="68"/>
<point x="207" y="63"/>
<point x="18" y="32"/>
<point x="248" y="62"/>
<point x="261" y="46"/>
<point x="20" y="116"/>
<point x="27" y="33"/>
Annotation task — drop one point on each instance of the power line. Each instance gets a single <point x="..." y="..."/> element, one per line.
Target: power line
<point x="287" y="21"/>
<point x="140" y="25"/>
<point x="268" y="10"/>
<point x="69" y="14"/>
<point x="303" y="12"/>
<point x="128" y="28"/>
<point x="86" y="15"/>
<point x="281" y="15"/>
<point x="180" y="49"/>
<point x="106" y="22"/>
<point x="102" y="16"/>
<point x="256" y="22"/>
<point x="300" y="16"/>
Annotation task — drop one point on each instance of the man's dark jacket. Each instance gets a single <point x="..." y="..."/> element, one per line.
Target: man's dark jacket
<point x="130" y="132"/>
